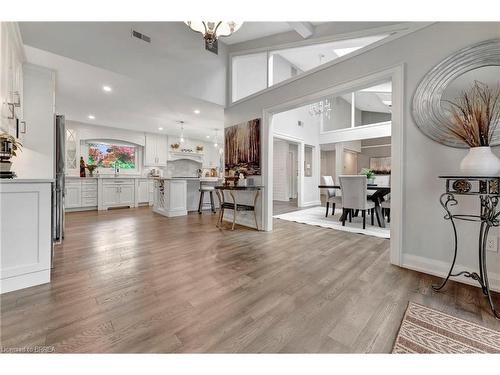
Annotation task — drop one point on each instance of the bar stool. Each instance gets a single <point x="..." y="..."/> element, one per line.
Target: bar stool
<point x="208" y="189"/>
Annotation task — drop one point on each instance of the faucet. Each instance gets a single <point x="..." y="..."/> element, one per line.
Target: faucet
<point x="117" y="170"/>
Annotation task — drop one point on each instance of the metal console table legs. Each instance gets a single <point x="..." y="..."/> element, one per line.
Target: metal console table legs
<point x="487" y="189"/>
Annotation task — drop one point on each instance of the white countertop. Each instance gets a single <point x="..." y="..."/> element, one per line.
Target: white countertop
<point x="25" y="180"/>
<point x="110" y="177"/>
<point x="205" y="179"/>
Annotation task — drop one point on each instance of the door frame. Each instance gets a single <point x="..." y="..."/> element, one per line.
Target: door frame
<point x="300" y="177"/>
<point x="396" y="75"/>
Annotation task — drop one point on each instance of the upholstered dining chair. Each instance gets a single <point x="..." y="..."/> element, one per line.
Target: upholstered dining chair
<point x="354" y="197"/>
<point x="386" y="207"/>
<point x="330" y="194"/>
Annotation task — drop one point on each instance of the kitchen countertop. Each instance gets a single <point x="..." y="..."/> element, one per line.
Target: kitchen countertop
<point x="110" y="177"/>
<point x="25" y="180"/>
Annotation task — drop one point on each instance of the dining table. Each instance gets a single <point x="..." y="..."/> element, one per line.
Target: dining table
<point x="379" y="192"/>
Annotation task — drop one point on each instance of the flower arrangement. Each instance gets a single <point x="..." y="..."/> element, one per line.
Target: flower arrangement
<point x="369" y="173"/>
<point x="175" y="146"/>
<point x="475" y="115"/>
<point x="91" y="168"/>
<point x="199" y="148"/>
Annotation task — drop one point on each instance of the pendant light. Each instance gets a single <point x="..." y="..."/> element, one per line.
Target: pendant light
<point x="212" y="30"/>
<point x="181" y="140"/>
<point x="216" y="138"/>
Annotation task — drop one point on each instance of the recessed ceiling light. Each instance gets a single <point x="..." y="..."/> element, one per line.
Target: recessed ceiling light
<point x="92" y="117"/>
<point x="107" y="88"/>
<point x="208" y="136"/>
<point x="197" y="111"/>
<point x="160" y="128"/>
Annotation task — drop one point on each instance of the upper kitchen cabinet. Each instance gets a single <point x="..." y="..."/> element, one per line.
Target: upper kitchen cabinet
<point x="11" y="76"/>
<point x="155" y="150"/>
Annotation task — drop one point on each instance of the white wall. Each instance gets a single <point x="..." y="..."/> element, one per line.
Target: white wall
<point x="286" y="123"/>
<point x="427" y="239"/>
<point x="36" y="160"/>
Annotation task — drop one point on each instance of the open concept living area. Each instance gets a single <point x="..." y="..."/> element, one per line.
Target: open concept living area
<point x="249" y="187"/>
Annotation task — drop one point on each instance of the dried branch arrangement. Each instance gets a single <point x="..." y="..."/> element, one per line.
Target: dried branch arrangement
<point x="475" y="115"/>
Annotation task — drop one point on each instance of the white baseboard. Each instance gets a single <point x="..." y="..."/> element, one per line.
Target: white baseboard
<point x="309" y="204"/>
<point x="24" y="281"/>
<point x="440" y="268"/>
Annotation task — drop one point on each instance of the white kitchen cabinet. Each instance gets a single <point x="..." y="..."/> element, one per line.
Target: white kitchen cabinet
<point x="126" y="195"/>
<point x="155" y="150"/>
<point x="11" y="75"/>
<point x="73" y="195"/>
<point x="110" y="195"/>
<point x="144" y="191"/>
<point x="115" y="193"/>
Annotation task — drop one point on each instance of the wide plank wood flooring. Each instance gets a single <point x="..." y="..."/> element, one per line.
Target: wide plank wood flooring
<point x="133" y="281"/>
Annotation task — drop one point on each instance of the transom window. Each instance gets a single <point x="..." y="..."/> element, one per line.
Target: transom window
<point x="251" y="73"/>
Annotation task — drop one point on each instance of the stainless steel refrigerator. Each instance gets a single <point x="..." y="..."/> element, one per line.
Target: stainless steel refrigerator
<point x="59" y="188"/>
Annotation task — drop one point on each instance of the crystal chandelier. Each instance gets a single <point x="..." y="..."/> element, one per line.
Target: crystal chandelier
<point x="212" y="30"/>
<point x="321" y="108"/>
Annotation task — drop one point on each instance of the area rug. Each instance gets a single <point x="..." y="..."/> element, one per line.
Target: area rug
<point x="425" y="330"/>
<point x="316" y="216"/>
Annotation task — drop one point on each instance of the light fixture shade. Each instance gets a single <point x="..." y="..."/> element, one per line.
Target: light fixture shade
<point x="214" y="29"/>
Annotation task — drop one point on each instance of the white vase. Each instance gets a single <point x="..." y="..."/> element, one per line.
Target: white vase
<point x="480" y="161"/>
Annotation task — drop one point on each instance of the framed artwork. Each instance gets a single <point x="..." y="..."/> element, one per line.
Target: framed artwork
<point x="381" y="164"/>
<point x="242" y="148"/>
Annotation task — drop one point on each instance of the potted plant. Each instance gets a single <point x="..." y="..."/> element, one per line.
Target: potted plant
<point x="199" y="149"/>
<point x="9" y="146"/>
<point x="370" y="175"/>
<point x="474" y="119"/>
<point x="91" y="168"/>
<point x="175" y="146"/>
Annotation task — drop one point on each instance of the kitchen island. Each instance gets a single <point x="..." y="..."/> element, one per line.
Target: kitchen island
<point x="175" y="196"/>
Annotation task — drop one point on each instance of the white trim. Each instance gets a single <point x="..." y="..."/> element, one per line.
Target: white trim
<point x="440" y="269"/>
<point x="396" y="74"/>
<point x="26" y="280"/>
<point x="376" y="146"/>
<point x="397" y="30"/>
<point x="312" y="203"/>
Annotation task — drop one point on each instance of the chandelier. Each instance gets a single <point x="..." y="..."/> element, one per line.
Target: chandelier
<point x="321" y="108"/>
<point x="212" y="30"/>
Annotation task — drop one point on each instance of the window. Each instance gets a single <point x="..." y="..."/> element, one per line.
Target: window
<point x="371" y="105"/>
<point x="254" y="72"/>
<point x="111" y="155"/>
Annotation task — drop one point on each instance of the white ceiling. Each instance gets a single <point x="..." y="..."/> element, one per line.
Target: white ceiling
<point x="133" y="104"/>
<point x="254" y="30"/>
<point x="371" y="98"/>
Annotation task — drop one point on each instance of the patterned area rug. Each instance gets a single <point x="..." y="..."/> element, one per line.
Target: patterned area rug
<point x="316" y="216"/>
<point x="426" y="330"/>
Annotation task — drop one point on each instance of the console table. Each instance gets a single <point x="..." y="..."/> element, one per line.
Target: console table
<point x="234" y="205"/>
<point x="487" y="189"/>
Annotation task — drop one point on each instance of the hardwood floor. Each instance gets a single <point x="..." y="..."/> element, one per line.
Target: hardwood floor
<point x="133" y="281"/>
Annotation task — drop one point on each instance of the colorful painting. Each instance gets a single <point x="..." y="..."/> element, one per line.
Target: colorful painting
<point x="242" y="148"/>
<point x="106" y="155"/>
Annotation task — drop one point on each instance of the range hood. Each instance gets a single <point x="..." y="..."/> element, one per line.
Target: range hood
<point x="180" y="155"/>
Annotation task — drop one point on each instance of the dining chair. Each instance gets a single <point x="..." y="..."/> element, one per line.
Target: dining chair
<point x="386" y="208"/>
<point x="354" y="197"/>
<point x="330" y="194"/>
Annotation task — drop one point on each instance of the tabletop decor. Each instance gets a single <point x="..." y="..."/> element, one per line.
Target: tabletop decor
<point x="91" y="168"/>
<point x="370" y="175"/>
<point x="9" y="145"/>
<point x="474" y="119"/>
